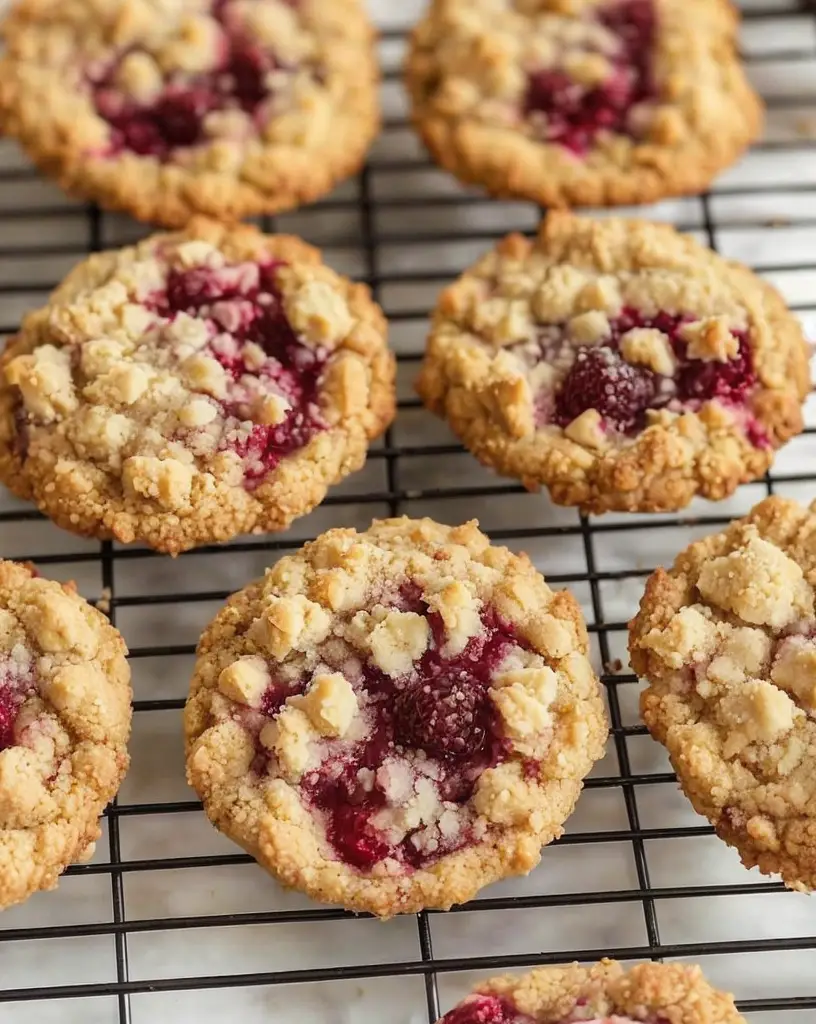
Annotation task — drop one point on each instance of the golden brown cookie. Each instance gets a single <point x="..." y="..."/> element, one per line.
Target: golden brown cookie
<point x="618" y="363"/>
<point x="193" y="387"/>
<point x="727" y="642"/>
<point x="64" y="723"/>
<point x="392" y="720"/>
<point x="582" y="102"/>
<point x="170" y="108"/>
<point x="605" y="993"/>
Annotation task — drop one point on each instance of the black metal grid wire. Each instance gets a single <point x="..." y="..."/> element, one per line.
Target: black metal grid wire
<point x="400" y="499"/>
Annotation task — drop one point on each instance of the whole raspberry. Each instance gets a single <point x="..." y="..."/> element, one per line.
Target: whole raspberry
<point x="600" y="379"/>
<point x="445" y="718"/>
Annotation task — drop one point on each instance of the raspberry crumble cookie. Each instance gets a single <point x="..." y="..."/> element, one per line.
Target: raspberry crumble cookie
<point x="582" y="102"/>
<point x="229" y="108"/>
<point x="64" y="723"/>
<point x="605" y="993"/>
<point x="391" y="720"/>
<point x="727" y="642"/>
<point x="618" y="363"/>
<point x="193" y="387"/>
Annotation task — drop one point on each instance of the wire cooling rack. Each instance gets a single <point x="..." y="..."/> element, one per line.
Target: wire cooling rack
<point x="170" y="922"/>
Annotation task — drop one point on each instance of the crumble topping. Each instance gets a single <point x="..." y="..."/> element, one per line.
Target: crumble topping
<point x="732" y="679"/>
<point x="64" y="722"/>
<point x="602" y="993"/>
<point x="411" y="703"/>
<point x="601" y="356"/>
<point x="743" y="673"/>
<point x="217" y="74"/>
<point x="590" y="73"/>
<point x="618" y="363"/>
<point x="575" y="75"/>
<point x="183" y="365"/>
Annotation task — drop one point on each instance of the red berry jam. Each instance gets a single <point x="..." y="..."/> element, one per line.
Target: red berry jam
<point x="573" y="114"/>
<point x="599" y="378"/>
<point x="243" y="305"/>
<point x="16" y="683"/>
<point x="436" y="725"/>
<point x="484" y="1010"/>
<point x="238" y="81"/>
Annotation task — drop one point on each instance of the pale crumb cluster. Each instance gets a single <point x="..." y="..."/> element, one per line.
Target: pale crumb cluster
<point x="304" y="637"/>
<point x="605" y="993"/>
<point x="727" y="641"/>
<point x="507" y="333"/>
<point x="133" y="426"/>
<point x="65" y="702"/>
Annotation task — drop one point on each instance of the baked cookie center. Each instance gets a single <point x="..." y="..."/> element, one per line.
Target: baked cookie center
<point x="635" y="365"/>
<point x="218" y="77"/>
<point x="269" y="375"/>
<point x="401" y="793"/>
<point x="387" y="740"/>
<point x="599" y="77"/>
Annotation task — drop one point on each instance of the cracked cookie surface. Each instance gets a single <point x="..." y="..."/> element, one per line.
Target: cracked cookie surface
<point x="605" y="993"/>
<point x="391" y="720"/>
<point x="229" y="108"/>
<point x="618" y="363"/>
<point x="727" y="642"/>
<point x="193" y="387"/>
<point x="582" y="102"/>
<point x="64" y="724"/>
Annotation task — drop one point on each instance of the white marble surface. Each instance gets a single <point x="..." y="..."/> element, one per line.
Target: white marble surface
<point x="743" y="218"/>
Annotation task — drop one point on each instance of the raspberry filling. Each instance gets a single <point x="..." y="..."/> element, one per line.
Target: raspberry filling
<point x="16" y="683"/>
<point x="484" y="1010"/>
<point x="243" y="307"/>
<point x="430" y="736"/>
<point x="571" y="113"/>
<point x="240" y="81"/>
<point x="598" y="377"/>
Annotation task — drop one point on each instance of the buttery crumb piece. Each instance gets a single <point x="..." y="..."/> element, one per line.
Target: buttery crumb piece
<point x="330" y="704"/>
<point x="459" y="609"/>
<point x="166" y="481"/>
<point x="587" y="429"/>
<point x="756" y="712"/>
<point x="710" y="340"/>
<point x="690" y="635"/>
<point x="319" y="314"/>
<point x="794" y="670"/>
<point x="290" y="737"/>
<point x="398" y="641"/>
<point x="650" y="348"/>
<point x="589" y="328"/>
<point x="758" y="582"/>
<point x="291" y="623"/>
<point x="246" y="680"/>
